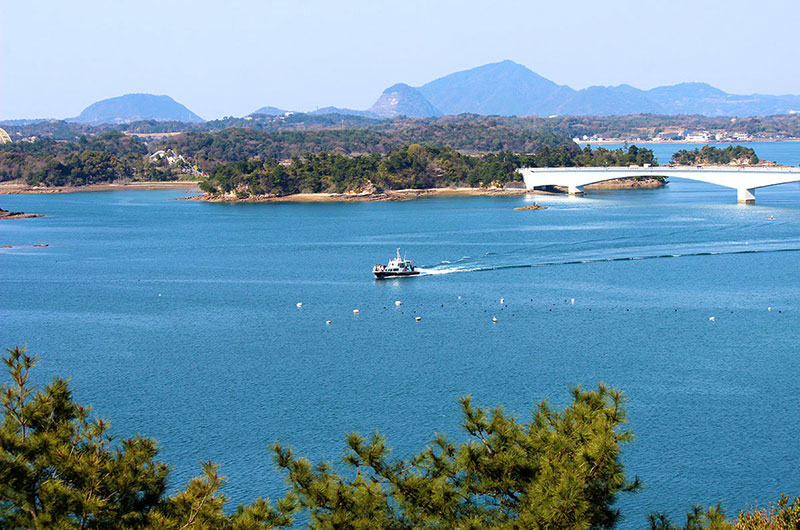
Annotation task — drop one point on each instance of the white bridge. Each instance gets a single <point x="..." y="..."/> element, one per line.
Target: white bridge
<point x="745" y="180"/>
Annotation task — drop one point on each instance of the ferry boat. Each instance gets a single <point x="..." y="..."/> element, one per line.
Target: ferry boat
<point x="396" y="268"/>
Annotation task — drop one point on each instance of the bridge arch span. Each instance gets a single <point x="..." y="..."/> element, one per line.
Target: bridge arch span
<point x="745" y="180"/>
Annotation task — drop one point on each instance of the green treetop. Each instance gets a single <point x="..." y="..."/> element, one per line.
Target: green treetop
<point x="61" y="469"/>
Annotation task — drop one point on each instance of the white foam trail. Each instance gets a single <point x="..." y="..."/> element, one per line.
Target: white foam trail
<point x="439" y="272"/>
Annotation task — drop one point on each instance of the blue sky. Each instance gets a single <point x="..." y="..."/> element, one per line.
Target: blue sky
<point x="229" y="58"/>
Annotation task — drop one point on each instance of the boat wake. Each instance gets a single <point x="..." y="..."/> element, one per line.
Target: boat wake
<point x="490" y="263"/>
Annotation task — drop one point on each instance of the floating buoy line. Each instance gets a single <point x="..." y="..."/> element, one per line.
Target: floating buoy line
<point x="23" y="246"/>
<point x="495" y="320"/>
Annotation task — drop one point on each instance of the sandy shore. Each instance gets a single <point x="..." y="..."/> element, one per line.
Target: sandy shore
<point x="10" y="188"/>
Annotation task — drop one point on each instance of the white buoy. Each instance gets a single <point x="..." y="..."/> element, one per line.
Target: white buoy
<point x="417" y="318"/>
<point x="769" y="309"/>
<point x="711" y="318"/>
<point x="299" y="304"/>
<point x="159" y="294"/>
<point x="328" y="322"/>
<point x="494" y="319"/>
<point x="355" y="311"/>
<point x="459" y="298"/>
<point x="398" y="303"/>
<point x="572" y="301"/>
<point x="502" y="300"/>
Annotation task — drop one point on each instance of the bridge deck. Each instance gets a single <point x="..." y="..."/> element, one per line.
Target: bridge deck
<point x="742" y="178"/>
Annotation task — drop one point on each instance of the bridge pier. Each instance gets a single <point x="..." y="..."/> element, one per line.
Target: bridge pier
<point x="575" y="190"/>
<point x="746" y="195"/>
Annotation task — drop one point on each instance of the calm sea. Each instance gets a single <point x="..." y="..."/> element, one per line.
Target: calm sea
<point x="178" y="320"/>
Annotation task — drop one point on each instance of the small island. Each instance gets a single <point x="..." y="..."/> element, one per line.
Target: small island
<point x="409" y="172"/>
<point x="533" y="206"/>
<point x="733" y="155"/>
<point x="5" y="214"/>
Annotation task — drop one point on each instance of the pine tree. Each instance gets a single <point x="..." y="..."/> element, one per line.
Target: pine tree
<point x="560" y="470"/>
<point x="61" y="469"/>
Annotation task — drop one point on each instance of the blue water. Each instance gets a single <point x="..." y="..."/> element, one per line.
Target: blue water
<point x="178" y="320"/>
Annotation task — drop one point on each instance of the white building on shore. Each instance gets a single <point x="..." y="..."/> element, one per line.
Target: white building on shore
<point x="697" y="136"/>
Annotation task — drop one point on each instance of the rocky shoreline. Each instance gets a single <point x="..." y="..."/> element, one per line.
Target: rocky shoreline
<point x="412" y="194"/>
<point x="647" y="183"/>
<point x="12" y="188"/>
<point x="5" y="214"/>
<point x="388" y="195"/>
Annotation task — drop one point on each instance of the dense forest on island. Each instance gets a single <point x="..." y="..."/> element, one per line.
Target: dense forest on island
<point x="710" y="155"/>
<point x="231" y="145"/>
<point x="414" y="166"/>
<point x="61" y="467"/>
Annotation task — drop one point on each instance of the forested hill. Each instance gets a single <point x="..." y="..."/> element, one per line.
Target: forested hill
<point x="411" y="167"/>
<point x="420" y="154"/>
<point x="207" y="150"/>
<point x="112" y="156"/>
<point x="738" y="155"/>
<point x="92" y="159"/>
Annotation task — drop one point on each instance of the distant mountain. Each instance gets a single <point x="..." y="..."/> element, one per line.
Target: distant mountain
<point x="701" y="98"/>
<point x="270" y="111"/>
<point x="604" y="101"/>
<point x="403" y="100"/>
<point x="507" y="88"/>
<point x="504" y="88"/>
<point x="684" y="91"/>
<point x="136" y="107"/>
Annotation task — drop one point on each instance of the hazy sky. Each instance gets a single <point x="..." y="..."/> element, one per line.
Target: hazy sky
<point x="227" y="58"/>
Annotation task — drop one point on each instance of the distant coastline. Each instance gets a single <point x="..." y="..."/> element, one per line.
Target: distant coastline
<point x="17" y="188"/>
